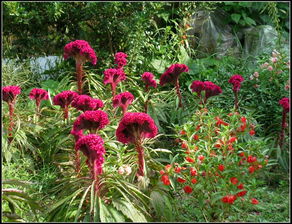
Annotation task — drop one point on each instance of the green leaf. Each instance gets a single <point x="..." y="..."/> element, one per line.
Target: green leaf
<point x="249" y="21"/>
<point x="235" y="17"/>
<point x="109" y="213"/>
<point x="129" y="210"/>
<point x="159" y="65"/>
<point x="161" y="205"/>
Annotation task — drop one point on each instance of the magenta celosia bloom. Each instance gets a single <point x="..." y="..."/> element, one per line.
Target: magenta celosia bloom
<point x="211" y="89"/>
<point x="10" y="93"/>
<point x="113" y="76"/>
<point x="133" y="128"/>
<point x="121" y="59"/>
<point x="198" y="87"/>
<point x="236" y="80"/>
<point x="136" y="126"/>
<point x="148" y="79"/>
<point x="64" y="99"/>
<point x="91" y="120"/>
<point x="171" y="76"/>
<point x="172" y="73"/>
<point x="284" y="102"/>
<point x="81" y="51"/>
<point x="123" y="100"/>
<point x="92" y="147"/>
<point x="38" y="95"/>
<point x="85" y="102"/>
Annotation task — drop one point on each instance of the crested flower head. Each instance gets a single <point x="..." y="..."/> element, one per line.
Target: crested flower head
<point x="123" y="99"/>
<point x="10" y="93"/>
<point x="92" y="147"/>
<point x="38" y="94"/>
<point x="120" y="59"/>
<point x="65" y="98"/>
<point x="85" y="102"/>
<point x="136" y="126"/>
<point x="113" y="76"/>
<point x="284" y="102"/>
<point x="81" y="51"/>
<point x="172" y="73"/>
<point x="198" y="87"/>
<point x="91" y="120"/>
<point x="236" y="80"/>
<point x="211" y="89"/>
<point x="148" y="79"/>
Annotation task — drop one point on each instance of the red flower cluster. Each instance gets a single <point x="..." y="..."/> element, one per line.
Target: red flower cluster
<point x="172" y="73"/>
<point x="188" y="189"/>
<point x="219" y="122"/>
<point x="121" y="59"/>
<point x="236" y="80"/>
<point x="148" y="79"/>
<point x="254" y="201"/>
<point x="229" y="199"/>
<point x="241" y="193"/>
<point x="81" y="51"/>
<point x="123" y="100"/>
<point x="221" y="167"/>
<point x="91" y="120"/>
<point x="92" y="147"/>
<point x="10" y="93"/>
<point x="136" y="125"/>
<point x="234" y="180"/>
<point x="165" y="179"/>
<point x="284" y="102"/>
<point x="85" y="102"/>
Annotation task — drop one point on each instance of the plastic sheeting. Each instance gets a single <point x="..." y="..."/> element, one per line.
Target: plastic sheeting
<point x="210" y="35"/>
<point x="259" y="39"/>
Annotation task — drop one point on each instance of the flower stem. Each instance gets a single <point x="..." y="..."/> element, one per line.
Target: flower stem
<point x="11" y="114"/>
<point x="66" y="112"/>
<point x="141" y="161"/>
<point x="236" y="100"/>
<point x="77" y="162"/>
<point x="79" y="74"/>
<point x="282" y="133"/>
<point x="178" y="93"/>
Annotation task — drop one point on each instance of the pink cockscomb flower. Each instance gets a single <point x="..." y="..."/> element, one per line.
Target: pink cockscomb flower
<point x="113" y="76"/>
<point x="171" y="76"/>
<point x="38" y="95"/>
<point x="81" y="51"/>
<point x="85" y="102"/>
<point x="198" y="87"/>
<point x="285" y="103"/>
<point x="121" y="59"/>
<point x="236" y="80"/>
<point x="92" y="147"/>
<point x="148" y="79"/>
<point x="211" y="89"/>
<point x="133" y="128"/>
<point x="9" y="94"/>
<point x="64" y="99"/>
<point x="91" y="120"/>
<point x="123" y="100"/>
